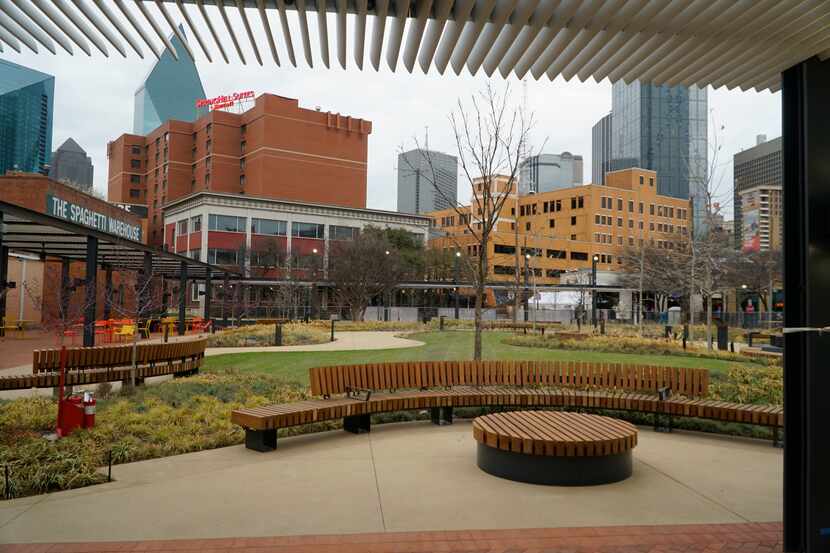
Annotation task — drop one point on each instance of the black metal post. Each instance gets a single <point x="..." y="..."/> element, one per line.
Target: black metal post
<point x="524" y="293"/>
<point x="108" y="293"/>
<point x="277" y="334"/>
<point x="225" y="287"/>
<point x="332" y="330"/>
<point x="64" y="307"/>
<point x="182" y="298"/>
<point x="144" y="297"/>
<point x="594" y="260"/>
<point x="91" y="290"/>
<point x="208" y="296"/>
<point x="4" y="277"/>
<point x="455" y="281"/>
<point x="805" y="153"/>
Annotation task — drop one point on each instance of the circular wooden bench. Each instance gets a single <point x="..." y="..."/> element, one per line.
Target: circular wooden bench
<point x="554" y="447"/>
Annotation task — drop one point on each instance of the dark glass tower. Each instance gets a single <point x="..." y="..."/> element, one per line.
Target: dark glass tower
<point x="26" y="100"/>
<point x="601" y="149"/>
<point x="169" y="92"/>
<point x="663" y="129"/>
<point x="70" y="164"/>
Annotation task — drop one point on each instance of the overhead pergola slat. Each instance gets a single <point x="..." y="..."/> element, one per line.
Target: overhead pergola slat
<point x="32" y="232"/>
<point x="732" y="43"/>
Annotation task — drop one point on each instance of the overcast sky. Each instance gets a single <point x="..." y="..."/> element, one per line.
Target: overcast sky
<point x="94" y="104"/>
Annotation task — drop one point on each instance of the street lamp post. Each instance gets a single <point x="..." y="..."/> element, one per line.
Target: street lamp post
<point x="312" y="289"/>
<point x="594" y="290"/>
<point x="527" y="276"/>
<point x="385" y="299"/>
<point x="455" y="280"/>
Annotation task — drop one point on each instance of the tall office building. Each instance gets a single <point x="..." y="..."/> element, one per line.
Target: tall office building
<point x="663" y="129"/>
<point x="546" y="172"/>
<point x="26" y="100"/>
<point x="758" y="200"/>
<point x="169" y="92"/>
<point x="71" y="165"/>
<point x="601" y="149"/>
<point x="427" y="181"/>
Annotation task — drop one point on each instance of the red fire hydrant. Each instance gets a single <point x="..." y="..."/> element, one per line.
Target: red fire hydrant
<point x="89" y="410"/>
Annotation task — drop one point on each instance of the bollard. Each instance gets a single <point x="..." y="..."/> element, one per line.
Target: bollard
<point x="601" y="327"/>
<point x="332" y="330"/>
<point x="685" y="334"/>
<point x="441" y="323"/>
<point x="732" y="347"/>
<point x="277" y="334"/>
<point x="166" y="332"/>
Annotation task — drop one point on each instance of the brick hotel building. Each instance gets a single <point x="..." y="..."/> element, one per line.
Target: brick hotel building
<point x="275" y="150"/>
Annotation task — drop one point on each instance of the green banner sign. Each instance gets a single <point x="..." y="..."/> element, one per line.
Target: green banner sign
<point x="81" y="215"/>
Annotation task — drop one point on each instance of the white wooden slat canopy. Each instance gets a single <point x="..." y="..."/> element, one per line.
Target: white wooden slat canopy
<point x="742" y="44"/>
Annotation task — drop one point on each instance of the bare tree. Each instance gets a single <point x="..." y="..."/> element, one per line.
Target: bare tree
<point x="365" y="269"/>
<point x="491" y="136"/>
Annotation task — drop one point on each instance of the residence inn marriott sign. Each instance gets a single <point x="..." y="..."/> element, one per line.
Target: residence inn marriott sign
<point x="65" y="209"/>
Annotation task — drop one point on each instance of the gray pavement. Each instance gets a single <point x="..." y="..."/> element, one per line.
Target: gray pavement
<point x="401" y="477"/>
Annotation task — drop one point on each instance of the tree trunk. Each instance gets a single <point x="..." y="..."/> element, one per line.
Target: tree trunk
<point x="480" y="294"/>
<point x="709" y="322"/>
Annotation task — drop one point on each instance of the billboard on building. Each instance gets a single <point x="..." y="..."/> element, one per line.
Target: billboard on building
<point x="751" y="222"/>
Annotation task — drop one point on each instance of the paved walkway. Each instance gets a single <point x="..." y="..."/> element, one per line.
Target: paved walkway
<point x="694" y="538"/>
<point x="344" y="341"/>
<point x="408" y="477"/>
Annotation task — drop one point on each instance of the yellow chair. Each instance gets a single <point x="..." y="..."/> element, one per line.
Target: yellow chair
<point x="126" y="331"/>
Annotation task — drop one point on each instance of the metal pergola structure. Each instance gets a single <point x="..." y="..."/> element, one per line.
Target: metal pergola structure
<point x="747" y="44"/>
<point x="47" y="237"/>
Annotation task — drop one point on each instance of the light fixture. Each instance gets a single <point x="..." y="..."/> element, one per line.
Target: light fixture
<point x="527" y="256"/>
<point x="744" y="286"/>
<point x="596" y="258"/>
<point x="314" y="251"/>
<point x="457" y="254"/>
<point x="387" y="252"/>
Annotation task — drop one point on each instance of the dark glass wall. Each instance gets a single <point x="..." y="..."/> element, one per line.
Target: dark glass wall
<point x="26" y="104"/>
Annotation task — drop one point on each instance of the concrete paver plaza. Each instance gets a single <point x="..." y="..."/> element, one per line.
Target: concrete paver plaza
<point x="408" y="477"/>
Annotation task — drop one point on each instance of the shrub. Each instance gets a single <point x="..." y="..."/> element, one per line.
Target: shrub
<point x="293" y="334"/>
<point x="346" y="326"/>
<point x="741" y="384"/>
<point x="624" y="344"/>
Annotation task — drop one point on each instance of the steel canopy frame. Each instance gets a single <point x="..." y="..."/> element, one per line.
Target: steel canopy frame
<point x="32" y="232"/>
<point x="732" y="43"/>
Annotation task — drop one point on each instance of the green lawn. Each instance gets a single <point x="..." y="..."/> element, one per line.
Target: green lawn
<point x="293" y="366"/>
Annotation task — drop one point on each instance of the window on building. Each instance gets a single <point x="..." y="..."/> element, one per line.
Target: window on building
<point x="307" y="230"/>
<point x="597" y="219"/>
<point x="651" y="226"/>
<point x="226" y="223"/>
<point x="619" y="204"/>
<point x="135" y="193"/>
<point x="620" y="240"/>
<point x="556" y="254"/>
<point x="659" y="211"/>
<point x="551" y="223"/>
<point x="573" y="236"/>
<point x="630" y="240"/>
<point x="651" y="209"/>
<point x="207" y="179"/>
<point x="580" y="203"/>
<point x="207" y="145"/>
<point x="135" y="179"/>
<point x="195" y="254"/>
<point x="208" y="128"/>
<point x="553" y="273"/>
<point x="513" y="211"/>
<point x="573" y="203"/>
<point x="631" y="223"/>
<point x="527" y="226"/>
<point x="602" y="202"/>
<point x="196" y="223"/>
<point x="242" y="164"/>
<point x="671" y="212"/>
<point x="135" y="150"/>
<point x="545" y="207"/>
<point x="573" y="220"/>
<point x="642" y="180"/>
<point x="558" y="205"/>
<point x="222" y="257"/>
<point x="641" y="208"/>
<point x="619" y="221"/>
<point x="242" y="129"/>
<point x="337" y="232"/>
<point x="135" y="163"/>
<point x="521" y="211"/>
<point x="535" y="252"/>
<point x="241" y="180"/>
<point x="242" y="146"/>
<point x="270" y="227"/>
<point x="504" y="249"/>
<point x="579" y="256"/>
<point x="503" y="270"/>
<point x="181" y="227"/>
<point x="641" y="225"/>
<point x="651" y="181"/>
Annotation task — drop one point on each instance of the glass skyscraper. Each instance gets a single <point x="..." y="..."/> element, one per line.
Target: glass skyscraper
<point x="601" y="149"/>
<point x="663" y="129"/>
<point x="26" y="103"/>
<point x="170" y="91"/>
<point x="546" y="172"/>
<point x="427" y="181"/>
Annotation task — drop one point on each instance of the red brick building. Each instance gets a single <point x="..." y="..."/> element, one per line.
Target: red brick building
<point x="274" y="150"/>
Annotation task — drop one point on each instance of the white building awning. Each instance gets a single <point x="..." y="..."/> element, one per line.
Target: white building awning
<point x="731" y="43"/>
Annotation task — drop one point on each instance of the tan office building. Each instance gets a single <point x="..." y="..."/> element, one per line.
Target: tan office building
<point x="563" y="229"/>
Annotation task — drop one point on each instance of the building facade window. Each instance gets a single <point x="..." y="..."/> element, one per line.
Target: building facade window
<point x="269" y="227"/>
<point x="338" y="232"/>
<point x="226" y="223"/>
<point x="181" y="227"/>
<point x="196" y="223"/>
<point x="222" y="257"/>
<point x="307" y="230"/>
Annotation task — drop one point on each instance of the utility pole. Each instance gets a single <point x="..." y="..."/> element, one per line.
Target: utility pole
<point x="456" y="280"/>
<point x="594" y="290"/>
<point x="524" y="292"/>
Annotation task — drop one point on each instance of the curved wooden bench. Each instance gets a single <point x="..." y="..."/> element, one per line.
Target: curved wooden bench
<point x="109" y="364"/>
<point x="555" y="448"/>
<point x="441" y="386"/>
